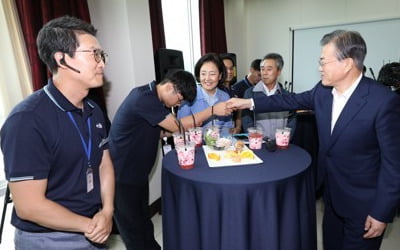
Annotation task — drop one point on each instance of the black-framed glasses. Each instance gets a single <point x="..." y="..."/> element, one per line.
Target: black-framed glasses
<point x="99" y="55"/>
<point x="179" y="95"/>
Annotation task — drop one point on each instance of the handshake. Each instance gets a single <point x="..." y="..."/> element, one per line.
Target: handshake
<point x="226" y="108"/>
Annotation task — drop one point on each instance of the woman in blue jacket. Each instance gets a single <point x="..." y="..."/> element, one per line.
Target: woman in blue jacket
<point x="210" y="73"/>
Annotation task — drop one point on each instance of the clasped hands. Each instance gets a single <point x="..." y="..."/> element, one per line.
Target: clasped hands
<point x="100" y="227"/>
<point x="226" y="108"/>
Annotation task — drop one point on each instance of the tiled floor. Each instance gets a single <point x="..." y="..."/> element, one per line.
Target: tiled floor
<point x="391" y="241"/>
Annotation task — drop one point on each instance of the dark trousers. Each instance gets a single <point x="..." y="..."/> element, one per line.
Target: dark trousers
<point x="341" y="233"/>
<point x="132" y="216"/>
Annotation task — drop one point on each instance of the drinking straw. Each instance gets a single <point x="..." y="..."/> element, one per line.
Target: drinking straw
<point x="181" y="129"/>
<point x="254" y="119"/>
<point x="194" y="119"/>
<point x="212" y="115"/>
<point x="254" y="114"/>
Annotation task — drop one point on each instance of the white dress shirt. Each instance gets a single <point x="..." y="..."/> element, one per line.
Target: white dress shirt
<point x="267" y="92"/>
<point x="340" y="100"/>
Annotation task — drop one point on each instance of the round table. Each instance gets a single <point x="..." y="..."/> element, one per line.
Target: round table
<point x="250" y="207"/>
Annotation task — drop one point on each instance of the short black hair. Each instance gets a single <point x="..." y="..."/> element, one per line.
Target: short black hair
<point x="214" y="58"/>
<point x="227" y="56"/>
<point x="389" y="74"/>
<point x="184" y="83"/>
<point x="60" y="35"/>
<point x="255" y="64"/>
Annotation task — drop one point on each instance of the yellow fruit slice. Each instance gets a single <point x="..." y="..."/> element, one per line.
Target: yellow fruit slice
<point x="247" y="154"/>
<point x="230" y="154"/>
<point x="236" y="158"/>
<point x="214" y="156"/>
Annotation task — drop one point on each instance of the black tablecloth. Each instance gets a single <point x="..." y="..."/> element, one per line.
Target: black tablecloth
<point x="253" y="207"/>
<point x="306" y="136"/>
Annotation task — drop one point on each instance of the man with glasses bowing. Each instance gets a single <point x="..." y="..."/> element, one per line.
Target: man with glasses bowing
<point x="134" y="142"/>
<point x="359" y="153"/>
<point x="55" y="147"/>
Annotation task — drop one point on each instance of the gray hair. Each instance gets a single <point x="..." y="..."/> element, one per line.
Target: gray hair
<point x="278" y="59"/>
<point x="349" y="44"/>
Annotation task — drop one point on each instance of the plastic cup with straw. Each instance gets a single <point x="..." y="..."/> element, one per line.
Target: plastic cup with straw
<point x="185" y="151"/>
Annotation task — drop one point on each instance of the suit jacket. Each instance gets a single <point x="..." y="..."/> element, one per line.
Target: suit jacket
<point x="271" y="120"/>
<point x="359" y="163"/>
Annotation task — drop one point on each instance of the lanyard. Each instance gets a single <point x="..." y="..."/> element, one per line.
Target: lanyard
<point x="87" y="147"/>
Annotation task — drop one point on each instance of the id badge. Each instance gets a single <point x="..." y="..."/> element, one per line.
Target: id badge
<point x="89" y="180"/>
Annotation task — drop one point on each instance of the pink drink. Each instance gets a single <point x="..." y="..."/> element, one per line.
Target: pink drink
<point x="196" y="135"/>
<point x="178" y="139"/>
<point x="185" y="155"/>
<point x="255" y="137"/>
<point x="282" y="137"/>
<point x="255" y="140"/>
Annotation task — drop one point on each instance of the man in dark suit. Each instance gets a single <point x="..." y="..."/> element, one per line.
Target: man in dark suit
<point x="359" y="154"/>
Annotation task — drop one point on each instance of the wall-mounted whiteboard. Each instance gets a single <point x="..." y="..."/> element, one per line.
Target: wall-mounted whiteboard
<point x="383" y="46"/>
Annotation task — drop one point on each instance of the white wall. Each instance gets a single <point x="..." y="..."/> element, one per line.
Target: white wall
<point x="257" y="27"/>
<point x="124" y="32"/>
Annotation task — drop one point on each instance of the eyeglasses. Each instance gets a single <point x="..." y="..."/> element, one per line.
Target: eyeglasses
<point x="99" y="55"/>
<point x="180" y="98"/>
<point x="179" y="95"/>
<point x="322" y="63"/>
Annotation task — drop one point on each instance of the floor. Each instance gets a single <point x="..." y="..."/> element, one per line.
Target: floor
<point x="390" y="242"/>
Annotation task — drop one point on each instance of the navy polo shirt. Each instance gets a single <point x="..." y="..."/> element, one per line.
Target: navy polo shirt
<point x="240" y="87"/>
<point x="39" y="141"/>
<point x="135" y="134"/>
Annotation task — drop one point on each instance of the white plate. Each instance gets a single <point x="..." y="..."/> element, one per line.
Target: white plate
<point x="226" y="162"/>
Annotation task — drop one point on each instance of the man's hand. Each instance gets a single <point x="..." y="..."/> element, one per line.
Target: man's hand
<point x="235" y="130"/>
<point x="101" y="227"/>
<point x="373" y="227"/>
<point x="238" y="103"/>
<point x="221" y="110"/>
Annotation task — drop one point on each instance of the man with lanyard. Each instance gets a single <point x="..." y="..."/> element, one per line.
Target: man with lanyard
<point x="134" y="142"/>
<point x="55" y="147"/>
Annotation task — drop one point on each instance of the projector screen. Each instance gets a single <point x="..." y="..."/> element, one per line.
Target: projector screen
<point x="383" y="46"/>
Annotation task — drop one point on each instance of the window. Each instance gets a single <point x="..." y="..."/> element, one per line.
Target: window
<point x="182" y="29"/>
